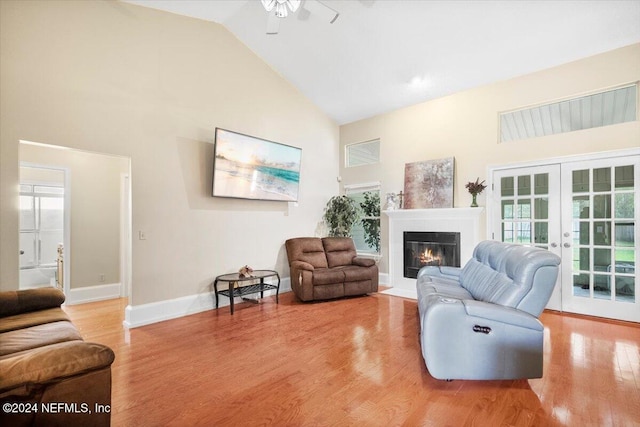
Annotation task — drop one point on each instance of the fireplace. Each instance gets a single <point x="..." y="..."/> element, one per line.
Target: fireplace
<point x="422" y="248"/>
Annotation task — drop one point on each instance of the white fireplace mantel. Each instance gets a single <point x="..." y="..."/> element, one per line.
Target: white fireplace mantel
<point x="465" y="221"/>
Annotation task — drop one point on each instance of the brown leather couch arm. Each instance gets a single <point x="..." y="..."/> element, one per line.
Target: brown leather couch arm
<point x="301" y="278"/>
<point x="26" y="300"/>
<point x="52" y="363"/>
<point x="301" y="265"/>
<point x="363" y="262"/>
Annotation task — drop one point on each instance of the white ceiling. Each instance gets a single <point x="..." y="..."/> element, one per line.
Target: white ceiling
<point x="381" y="55"/>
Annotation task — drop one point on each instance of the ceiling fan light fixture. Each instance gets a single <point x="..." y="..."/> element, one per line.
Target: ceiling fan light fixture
<point x="281" y="6"/>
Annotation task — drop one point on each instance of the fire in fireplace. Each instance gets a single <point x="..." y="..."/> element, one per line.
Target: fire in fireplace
<point x="430" y="248"/>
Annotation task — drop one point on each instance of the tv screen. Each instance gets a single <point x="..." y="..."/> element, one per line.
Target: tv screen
<point x="246" y="167"/>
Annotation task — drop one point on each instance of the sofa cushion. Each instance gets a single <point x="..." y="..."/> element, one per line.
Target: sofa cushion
<point x="354" y="273"/>
<point x="307" y="249"/>
<point x="486" y="284"/>
<point x="37" y="336"/>
<point x="327" y="276"/>
<point x="340" y="251"/>
<point x="34" y="318"/>
<point x="328" y="291"/>
<point x="27" y="300"/>
<point x="52" y="362"/>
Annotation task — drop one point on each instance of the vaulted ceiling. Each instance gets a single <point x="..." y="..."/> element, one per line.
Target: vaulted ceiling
<point x="381" y="55"/>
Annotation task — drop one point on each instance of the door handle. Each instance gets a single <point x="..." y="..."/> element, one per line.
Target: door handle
<point x="567" y="245"/>
<point x="554" y="245"/>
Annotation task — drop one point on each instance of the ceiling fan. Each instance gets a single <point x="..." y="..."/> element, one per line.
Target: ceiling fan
<point x="279" y="9"/>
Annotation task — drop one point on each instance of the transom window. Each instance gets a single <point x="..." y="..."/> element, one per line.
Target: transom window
<point x="362" y="153"/>
<point x="605" y="108"/>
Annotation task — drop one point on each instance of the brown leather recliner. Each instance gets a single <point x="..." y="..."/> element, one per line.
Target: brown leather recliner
<point x="326" y="268"/>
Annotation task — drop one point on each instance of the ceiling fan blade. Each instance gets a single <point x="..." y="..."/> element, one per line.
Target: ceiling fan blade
<point x="321" y="10"/>
<point x="273" y="23"/>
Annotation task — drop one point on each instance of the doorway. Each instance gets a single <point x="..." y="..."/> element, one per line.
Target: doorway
<point x="97" y="250"/>
<point x="586" y="211"/>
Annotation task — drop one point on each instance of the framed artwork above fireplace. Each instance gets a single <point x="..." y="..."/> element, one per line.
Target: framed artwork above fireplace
<point x="429" y="184"/>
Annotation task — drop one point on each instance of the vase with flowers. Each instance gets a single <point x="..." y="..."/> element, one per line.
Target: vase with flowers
<point x="475" y="188"/>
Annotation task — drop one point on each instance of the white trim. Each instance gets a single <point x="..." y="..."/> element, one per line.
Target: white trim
<point x="361" y="187"/>
<point x="566" y="159"/>
<point x="383" y="279"/>
<point x="146" y="314"/>
<point x="403" y="293"/>
<point x="125" y="233"/>
<point x="92" y="293"/>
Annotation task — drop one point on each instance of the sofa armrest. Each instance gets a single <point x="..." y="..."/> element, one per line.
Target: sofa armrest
<point x="363" y="262"/>
<point x="52" y="363"/>
<point x="499" y="313"/>
<point x="27" y="300"/>
<point x="301" y="265"/>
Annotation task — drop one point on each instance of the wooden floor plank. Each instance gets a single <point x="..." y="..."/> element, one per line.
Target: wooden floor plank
<point x="354" y="361"/>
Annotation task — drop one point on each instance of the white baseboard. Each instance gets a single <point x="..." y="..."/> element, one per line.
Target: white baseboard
<point x="146" y="314"/>
<point x="383" y="278"/>
<point x="399" y="292"/>
<point x="92" y="293"/>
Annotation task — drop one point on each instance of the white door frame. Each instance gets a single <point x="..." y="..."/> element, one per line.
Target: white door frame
<point x="125" y="234"/>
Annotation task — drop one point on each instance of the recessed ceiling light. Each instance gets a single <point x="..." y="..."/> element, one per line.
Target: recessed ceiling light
<point x="419" y="82"/>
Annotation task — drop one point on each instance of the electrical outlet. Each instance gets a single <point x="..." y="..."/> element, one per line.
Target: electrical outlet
<point x="101" y="277"/>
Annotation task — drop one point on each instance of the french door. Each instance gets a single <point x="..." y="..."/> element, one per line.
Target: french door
<point x="586" y="212"/>
<point x="526" y="211"/>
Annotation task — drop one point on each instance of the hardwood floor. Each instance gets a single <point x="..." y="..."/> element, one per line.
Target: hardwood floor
<point x="350" y="362"/>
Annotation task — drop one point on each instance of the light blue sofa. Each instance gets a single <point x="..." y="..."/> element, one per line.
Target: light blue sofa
<point x="481" y="322"/>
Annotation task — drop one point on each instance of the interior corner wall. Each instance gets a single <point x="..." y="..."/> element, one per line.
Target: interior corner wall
<point x="115" y="78"/>
<point x="95" y="210"/>
<point x="465" y="126"/>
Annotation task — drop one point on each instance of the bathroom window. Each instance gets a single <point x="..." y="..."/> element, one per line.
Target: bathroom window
<point x="41" y="224"/>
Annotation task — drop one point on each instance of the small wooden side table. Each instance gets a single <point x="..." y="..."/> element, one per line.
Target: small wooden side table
<point x="240" y="285"/>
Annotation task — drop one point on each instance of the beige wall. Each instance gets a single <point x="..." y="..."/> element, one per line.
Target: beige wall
<point x="95" y="210"/>
<point x="114" y="78"/>
<point x="465" y="126"/>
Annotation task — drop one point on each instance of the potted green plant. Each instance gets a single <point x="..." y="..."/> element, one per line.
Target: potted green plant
<point x="340" y="214"/>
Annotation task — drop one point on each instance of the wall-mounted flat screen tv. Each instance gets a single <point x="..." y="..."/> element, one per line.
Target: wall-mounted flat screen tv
<point x="246" y="167"/>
